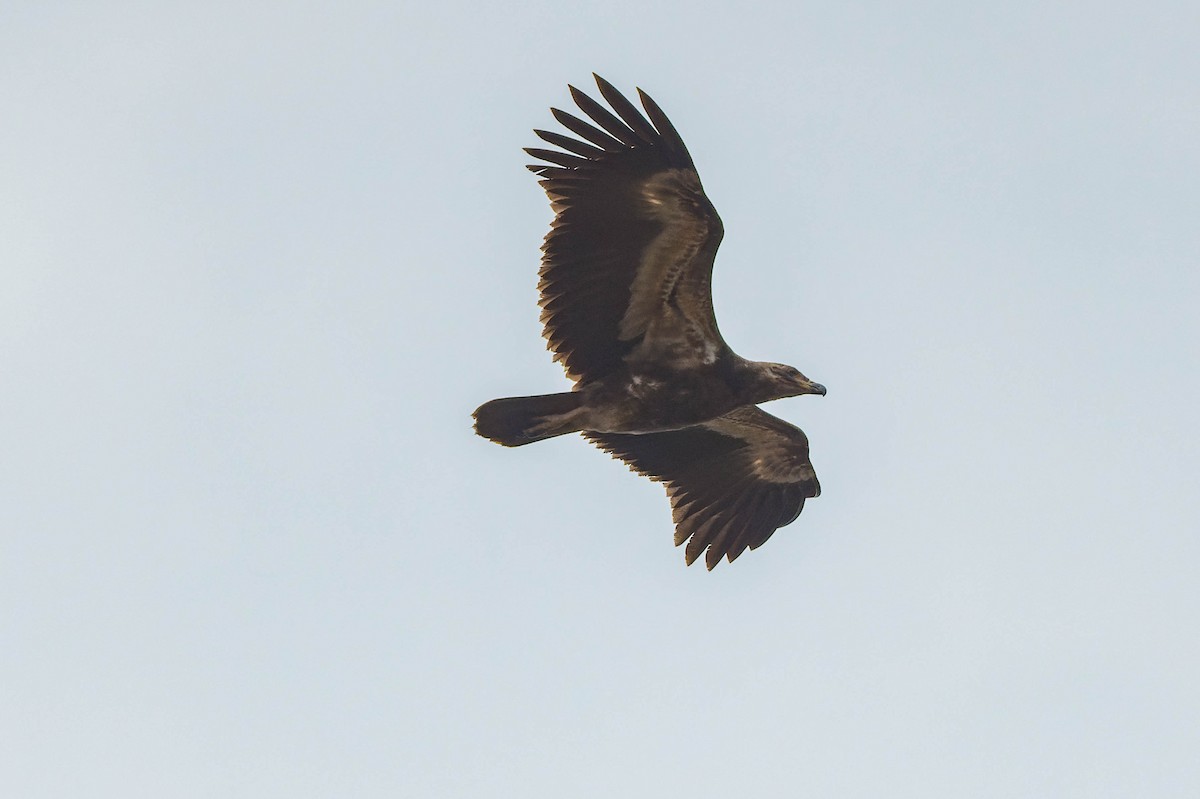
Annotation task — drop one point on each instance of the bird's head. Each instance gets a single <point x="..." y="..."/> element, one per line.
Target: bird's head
<point x="778" y="380"/>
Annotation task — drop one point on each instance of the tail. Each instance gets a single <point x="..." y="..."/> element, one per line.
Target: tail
<point x="514" y="421"/>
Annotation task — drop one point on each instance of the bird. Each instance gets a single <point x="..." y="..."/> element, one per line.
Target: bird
<point x="626" y="304"/>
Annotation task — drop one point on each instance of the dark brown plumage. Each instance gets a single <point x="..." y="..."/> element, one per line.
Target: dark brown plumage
<point x="627" y="306"/>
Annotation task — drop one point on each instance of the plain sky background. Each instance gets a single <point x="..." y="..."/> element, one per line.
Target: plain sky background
<point x="259" y="262"/>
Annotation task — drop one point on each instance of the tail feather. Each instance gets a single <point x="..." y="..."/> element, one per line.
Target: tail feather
<point x="514" y="421"/>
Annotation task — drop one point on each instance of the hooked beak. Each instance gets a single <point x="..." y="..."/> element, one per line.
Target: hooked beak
<point x="813" y="388"/>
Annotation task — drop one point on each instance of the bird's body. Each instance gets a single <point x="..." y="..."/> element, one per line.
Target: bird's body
<point x="627" y="305"/>
<point x="653" y="399"/>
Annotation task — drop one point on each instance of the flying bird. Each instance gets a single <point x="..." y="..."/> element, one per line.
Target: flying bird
<point x="626" y="301"/>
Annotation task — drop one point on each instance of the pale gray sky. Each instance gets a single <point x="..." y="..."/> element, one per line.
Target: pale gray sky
<point x="258" y="264"/>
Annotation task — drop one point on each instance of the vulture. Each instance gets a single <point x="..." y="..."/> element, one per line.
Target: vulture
<point x="626" y="300"/>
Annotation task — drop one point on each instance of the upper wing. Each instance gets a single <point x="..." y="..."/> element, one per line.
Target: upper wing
<point x="732" y="481"/>
<point x="628" y="260"/>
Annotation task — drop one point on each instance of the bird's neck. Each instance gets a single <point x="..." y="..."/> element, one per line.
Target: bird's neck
<point x="753" y="381"/>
